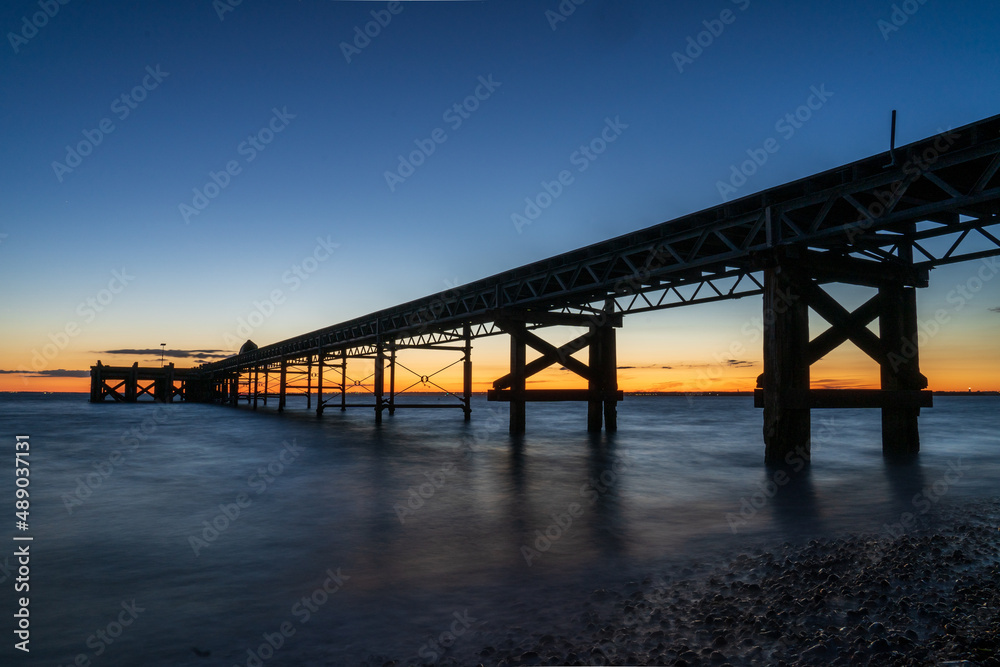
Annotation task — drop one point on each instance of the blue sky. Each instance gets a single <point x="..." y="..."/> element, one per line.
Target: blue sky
<point x="344" y="124"/>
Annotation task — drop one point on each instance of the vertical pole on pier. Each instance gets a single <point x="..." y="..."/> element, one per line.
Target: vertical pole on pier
<point x="281" y="382"/>
<point x="392" y="378"/>
<point x="256" y="379"/>
<point x="379" y="388"/>
<point x="343" y="380"/>
<point x="609" y="370"/>
<point x="517" y="374"/>
<point x="785" y="379"/>
<point x="319" y="382"/>
<point x="309" y="381"/>
<point x="467" y="373"/>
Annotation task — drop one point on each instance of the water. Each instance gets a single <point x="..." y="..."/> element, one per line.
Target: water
<point x="426" y="523"/>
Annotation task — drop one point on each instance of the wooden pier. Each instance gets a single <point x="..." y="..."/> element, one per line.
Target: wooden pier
<point x="128" y="384"/>
<point x="882" y="223"/>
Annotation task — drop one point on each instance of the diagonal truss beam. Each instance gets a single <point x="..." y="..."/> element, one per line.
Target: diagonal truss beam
<point x="550" y="355"/>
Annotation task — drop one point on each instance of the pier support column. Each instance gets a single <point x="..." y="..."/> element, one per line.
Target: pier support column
<point x="132" y="384"/>
<point x="96" y="383"/>
<point x="343" y="380"/>
<point x="282" y="380"/>
<point x="467" y="373"/>
<point x="518" y="356"/>
<point x="256" y="378"/>
<point x="379" y="381"/>
<point x="267" y="376"/>
<point x="609" y="369"/>
<point x="595" y="407"/>
<point x="309" y="380"/>
<point x="319" y="382"/>
<point x="603" y="365"/>
<point x="901" y="368"/>
<point x="170" y="383"/>
<point x="392" y="378"/>
<point x="785" y="380"/>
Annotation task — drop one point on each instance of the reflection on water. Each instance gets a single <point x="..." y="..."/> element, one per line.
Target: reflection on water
<point x="224" y="524"/>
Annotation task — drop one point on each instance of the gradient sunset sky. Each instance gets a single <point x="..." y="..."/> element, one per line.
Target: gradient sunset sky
<point x="172" y="168"/>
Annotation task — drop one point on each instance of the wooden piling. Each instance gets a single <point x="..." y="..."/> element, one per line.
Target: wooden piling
<point x="319" y="382"/>
<point x="786" y="367"/>
<point x="900" y="369"/>
<point x="467" y="373"/>
<point x="518" y="359"/>
<point x="379" y="381"/>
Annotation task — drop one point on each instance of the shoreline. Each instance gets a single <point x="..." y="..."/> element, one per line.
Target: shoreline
<point x="929" y="596"/>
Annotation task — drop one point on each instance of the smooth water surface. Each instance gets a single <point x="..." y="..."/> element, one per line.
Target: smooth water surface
<point x="422" y="520"/>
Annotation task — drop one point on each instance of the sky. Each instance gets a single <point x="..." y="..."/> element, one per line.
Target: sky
<point x="195" y="173"/>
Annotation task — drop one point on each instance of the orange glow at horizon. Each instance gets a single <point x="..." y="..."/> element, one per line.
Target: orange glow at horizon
<point x="949" y="375"/>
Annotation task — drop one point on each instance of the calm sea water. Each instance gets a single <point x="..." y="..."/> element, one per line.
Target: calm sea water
<point x="361" y="540"/>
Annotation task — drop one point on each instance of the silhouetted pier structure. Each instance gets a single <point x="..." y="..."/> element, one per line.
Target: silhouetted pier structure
<point x="882" y="223"/>
<point x="127" y="384"/>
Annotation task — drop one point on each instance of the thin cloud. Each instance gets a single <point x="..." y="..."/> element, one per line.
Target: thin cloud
<point x="174" y="354"/>
<point x="995" y="309"/>
<point x="57" y="373"/>
<point x="732" y="363"/>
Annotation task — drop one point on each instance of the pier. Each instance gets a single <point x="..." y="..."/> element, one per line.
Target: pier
<point x="882" y="223"/>
<point x="127" y="384"/>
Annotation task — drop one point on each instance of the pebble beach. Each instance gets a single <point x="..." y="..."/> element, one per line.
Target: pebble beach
<point x="930" y="596"/>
